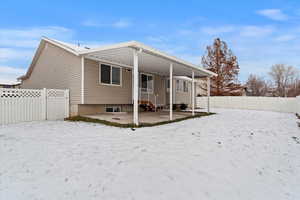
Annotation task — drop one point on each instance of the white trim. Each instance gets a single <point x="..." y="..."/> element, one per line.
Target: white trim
<point x="108" y="62"/>
<point x="130" y="44"/>
<point x="61" y="45"/>
<point x="82" y="79"/>
<point x="193" y="93"/>
<point x="149" y="50"/>
<point x="110" y="84"/>
<point x="171" y="91"/>
<point x="136" y="88"/>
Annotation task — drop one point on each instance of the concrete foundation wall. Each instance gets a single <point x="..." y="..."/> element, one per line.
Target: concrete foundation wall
<point x="88" y="109"/>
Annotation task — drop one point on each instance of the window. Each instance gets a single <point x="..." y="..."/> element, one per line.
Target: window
<point x="168" y="84"/>
<point x="182" y="86"/>
<point x="146" y="83"/>
<point x="113" y="109"/>
<point x="178" y="85"/>
<point x="110" y="75"/>
<point x="185" y="86"/>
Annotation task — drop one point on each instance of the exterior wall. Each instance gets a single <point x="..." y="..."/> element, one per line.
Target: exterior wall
<point x="97" y="93"/>
<point x="279" y="104"/>
<point x="58" y="69"/>
<point x="88" y="109"/>
<point x="180" y="97"/>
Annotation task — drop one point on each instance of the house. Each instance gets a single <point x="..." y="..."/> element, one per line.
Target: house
<point x="10" y="85"/>
<point x="113" y="78"/>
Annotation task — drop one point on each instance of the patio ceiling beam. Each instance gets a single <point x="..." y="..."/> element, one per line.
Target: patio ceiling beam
<point x="92" y="57"/>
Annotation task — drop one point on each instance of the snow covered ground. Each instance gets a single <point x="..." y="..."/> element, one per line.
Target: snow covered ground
<point x="232" y="155"/>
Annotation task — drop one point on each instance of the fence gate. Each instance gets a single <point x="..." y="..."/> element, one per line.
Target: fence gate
<point x="21" y="105"/>
<point x="57" y="104"/>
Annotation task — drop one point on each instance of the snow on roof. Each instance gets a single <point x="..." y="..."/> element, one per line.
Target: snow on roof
<point x="74" y="47"/>
<point x="8" y="82"/>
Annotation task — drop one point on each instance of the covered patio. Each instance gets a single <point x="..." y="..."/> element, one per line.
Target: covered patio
<point x="144" y="117"/>
<point x="141" y="58"/>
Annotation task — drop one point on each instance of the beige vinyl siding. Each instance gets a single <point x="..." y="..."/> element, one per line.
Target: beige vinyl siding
<point x="97" y="93"/>
<point x="184" y="97"/>
<point x="180" y="96"/>
<point x="58" y="69"/>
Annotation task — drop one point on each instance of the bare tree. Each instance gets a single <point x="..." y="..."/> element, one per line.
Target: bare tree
<point x="220" y="59"/>
<point x="294" y="89"/>
<point x="283" y="77"/>
<point x="256" y="86"/>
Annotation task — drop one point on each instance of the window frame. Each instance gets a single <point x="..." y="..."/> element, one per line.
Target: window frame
<point x="140" y="86"/>
<point x="179" y="87"/>
<point x="113" y="108"/>
<point x="111" y="67"/>
<point x="186" y="84"/>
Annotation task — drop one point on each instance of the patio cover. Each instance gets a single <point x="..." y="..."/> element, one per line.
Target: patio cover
<point x="150" y="60"/>
<point x="142" y="58"/>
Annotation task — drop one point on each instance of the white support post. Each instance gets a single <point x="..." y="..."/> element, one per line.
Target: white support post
<point x="208" y="94"/>
<point x="135" y="88"/>
<point x="82" y="80"/>
<point x="171" y="91"/>
<point x="193" y="93"/>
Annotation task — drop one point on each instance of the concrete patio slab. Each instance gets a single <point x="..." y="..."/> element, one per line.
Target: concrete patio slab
<point x="144" y="117"/>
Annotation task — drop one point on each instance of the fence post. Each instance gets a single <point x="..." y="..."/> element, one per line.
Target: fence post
<point x="44" y="102"/>
<point x="298" y="105"/>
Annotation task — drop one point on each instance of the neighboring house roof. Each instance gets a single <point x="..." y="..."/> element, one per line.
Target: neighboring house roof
<point x="10" y="83"/>
<point x="84" y="51"/>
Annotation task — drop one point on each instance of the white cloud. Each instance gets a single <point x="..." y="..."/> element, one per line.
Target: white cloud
<point x="274" y="14"/>
<point x="15" y="54"/>
<point x="285" y="38"/>
<point x="121" y="23"/>
<point x="11" y="70"/>
<point x="256" y="31"/>
<point x="9" y="75"/>
<point x="217" y="30"/>
<point x="157" y="39"/>
<point x="29" y="37"/>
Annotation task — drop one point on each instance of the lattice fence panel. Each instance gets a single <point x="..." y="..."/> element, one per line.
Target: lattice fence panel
<point x="21" y="105"/>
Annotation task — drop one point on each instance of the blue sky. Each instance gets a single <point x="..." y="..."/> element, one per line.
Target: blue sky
<point x="261" y="33"/>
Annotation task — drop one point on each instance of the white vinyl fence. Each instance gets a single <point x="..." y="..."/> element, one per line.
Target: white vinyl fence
<point x="279" y="104"/>
<point x="21" y="105"/>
